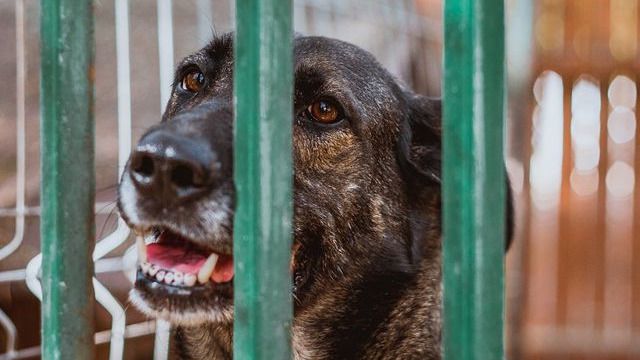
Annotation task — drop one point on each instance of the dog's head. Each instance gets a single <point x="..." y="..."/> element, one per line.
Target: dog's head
<point x="366" y="180"/>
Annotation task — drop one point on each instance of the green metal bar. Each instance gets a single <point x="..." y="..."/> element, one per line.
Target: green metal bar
<point x="474" y="183"/>
<point x="68" y="180"/>
<point x="263" y="176"/>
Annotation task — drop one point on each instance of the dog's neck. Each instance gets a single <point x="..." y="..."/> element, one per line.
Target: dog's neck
<point x="373" y="314"/>
<point x="208" y="341"/>
<point x="367" y="320"/>
<point x="369" y="333"/>
<point x="349" y="324"/>
<point x="342" y="324"/>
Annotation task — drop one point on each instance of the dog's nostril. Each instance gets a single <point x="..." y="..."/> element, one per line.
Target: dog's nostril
<point x="184" y="176"/>
<point x="143" y="165"/>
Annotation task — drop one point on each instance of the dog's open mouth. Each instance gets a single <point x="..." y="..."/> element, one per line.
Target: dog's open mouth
<point x="187" y="283"/>
<point x="181" y="281"/>
<point x="173" y="260"/>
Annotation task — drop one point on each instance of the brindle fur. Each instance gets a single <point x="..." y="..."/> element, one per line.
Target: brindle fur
<point x="367" y="280"/>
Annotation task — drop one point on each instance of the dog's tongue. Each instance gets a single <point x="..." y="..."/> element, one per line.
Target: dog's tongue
<point x="188" y="261"/>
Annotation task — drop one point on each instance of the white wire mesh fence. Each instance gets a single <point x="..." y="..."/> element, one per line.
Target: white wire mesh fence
<point x="392" y="30"/>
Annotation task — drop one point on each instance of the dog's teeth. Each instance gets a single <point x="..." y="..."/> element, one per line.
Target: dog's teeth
<point x="142" y="249"/>
<point x="190" y="279"/>
<point x="168" y="278"/>
<point x="207" y="268"/>
<point x="153" y="270"/>
<point x="178" y="278"/>
<point x="160" y="275"/>
<point x="145" y="267"/>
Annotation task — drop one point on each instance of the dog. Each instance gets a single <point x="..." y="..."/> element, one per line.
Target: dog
<point x="366" y="258"/>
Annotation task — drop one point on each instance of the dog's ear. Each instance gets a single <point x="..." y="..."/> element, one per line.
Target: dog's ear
<point x="420" y="151"/>
<point x="419" y="146"/>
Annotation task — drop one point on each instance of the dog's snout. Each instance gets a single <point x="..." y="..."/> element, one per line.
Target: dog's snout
<point x="171" y="167"/>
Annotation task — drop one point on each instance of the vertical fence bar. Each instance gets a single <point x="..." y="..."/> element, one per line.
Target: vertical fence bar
<point x="206" y="28"/>
<point x="165" y="58"/>
<point x="18" y="236"/>
<point x="263" y="175"/>
<point x="165" y="49"/>
<point x="68" y="180"/>
<point x="474" y="184"/>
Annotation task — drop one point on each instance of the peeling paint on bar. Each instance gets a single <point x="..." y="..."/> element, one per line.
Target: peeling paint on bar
<point x="68" y="179"/>
<point x="473" y="188"/>
<point x="264" y="179"/>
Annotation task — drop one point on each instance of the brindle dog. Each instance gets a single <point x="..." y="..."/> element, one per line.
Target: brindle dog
<point x="367" y="248"/>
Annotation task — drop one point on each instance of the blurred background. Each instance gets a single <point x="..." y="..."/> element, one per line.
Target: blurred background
<point x="573" y="273"/>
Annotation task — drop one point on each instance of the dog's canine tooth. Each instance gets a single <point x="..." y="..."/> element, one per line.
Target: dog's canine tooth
<point x="149" y="238"/>
<point x="153" y="270"/>
<point x="142" y="249"/>
<point x="190" y="279"/>
<point x="168" y="278"/>
<point x="145" y="267"/>
<point x="207" y="268"/>
<point x="160" y="275"/>
<point x="178" y="278"/>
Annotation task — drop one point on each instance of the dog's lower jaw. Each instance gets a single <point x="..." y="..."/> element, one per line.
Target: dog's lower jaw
<point x="185" y="318"/>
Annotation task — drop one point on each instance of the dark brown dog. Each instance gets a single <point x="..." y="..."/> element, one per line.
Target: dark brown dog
<point x="366" y="259"/>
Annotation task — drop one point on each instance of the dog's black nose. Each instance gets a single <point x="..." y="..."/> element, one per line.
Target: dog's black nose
<point x="172" y="168"/>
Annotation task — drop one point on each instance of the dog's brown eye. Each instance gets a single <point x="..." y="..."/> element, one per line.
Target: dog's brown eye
<point x="193" y="81"/>
<point x="324" y="111"/>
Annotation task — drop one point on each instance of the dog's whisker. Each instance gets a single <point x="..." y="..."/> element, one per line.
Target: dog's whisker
<point x="110" y="216"/>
